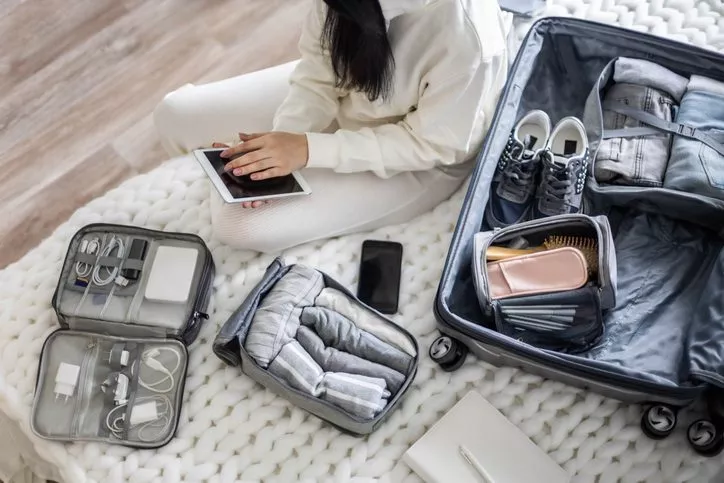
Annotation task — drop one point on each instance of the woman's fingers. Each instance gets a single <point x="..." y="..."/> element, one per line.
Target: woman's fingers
<point x="219" y="145"/>
<point x="253" y="168"/>
<point x="248" y="137"/>
<point x="254" y="204"/>
<point x="245" y="147"/>
<point x="269" y="173"/>
<point x="249" y="163"/>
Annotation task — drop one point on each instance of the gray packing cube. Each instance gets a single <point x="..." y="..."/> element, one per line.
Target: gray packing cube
<point x="115" y="370"/>
<point x="231" y="344"/>
<point x="663" y="336"/>
<point x="568" y="320"/>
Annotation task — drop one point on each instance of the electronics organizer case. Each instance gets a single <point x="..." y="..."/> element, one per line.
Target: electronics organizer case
<point x="110" y="333"/>
<point x="663" y="338"/>
<point x="229" y="347"/>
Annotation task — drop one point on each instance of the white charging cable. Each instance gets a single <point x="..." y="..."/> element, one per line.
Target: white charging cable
<point x="116" y="243"/>
<point x="145" y="415"/>
<point x="83" y="269"/>
<point x="148" y="358"/>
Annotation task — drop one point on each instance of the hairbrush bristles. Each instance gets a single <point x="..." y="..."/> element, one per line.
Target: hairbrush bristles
<point x="586" y="245"/>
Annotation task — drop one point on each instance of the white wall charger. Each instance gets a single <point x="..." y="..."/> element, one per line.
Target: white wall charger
<point x="144" y="413"/>
<point x="66" y="379"/>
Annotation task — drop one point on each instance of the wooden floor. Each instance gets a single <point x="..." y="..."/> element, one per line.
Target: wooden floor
<point x="78" y="82"/>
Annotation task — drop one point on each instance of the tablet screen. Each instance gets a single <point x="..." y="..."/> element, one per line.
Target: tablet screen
<point x="275" y="186"/>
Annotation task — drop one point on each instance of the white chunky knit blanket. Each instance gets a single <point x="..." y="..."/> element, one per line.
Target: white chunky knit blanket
<point x="232" y="429"/>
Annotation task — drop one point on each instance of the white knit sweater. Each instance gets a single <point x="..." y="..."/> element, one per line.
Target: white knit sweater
<point x="450" y="65"/>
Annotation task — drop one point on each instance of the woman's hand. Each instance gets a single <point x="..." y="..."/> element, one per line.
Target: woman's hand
<point x="267" y="155"/>
<point x="245" y="204"/>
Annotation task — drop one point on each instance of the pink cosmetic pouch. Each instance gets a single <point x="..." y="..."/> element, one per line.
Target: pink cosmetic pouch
<point x="549" y="271"/>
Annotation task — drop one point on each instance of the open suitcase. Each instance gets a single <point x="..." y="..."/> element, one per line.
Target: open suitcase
<point x="654" y="315"/>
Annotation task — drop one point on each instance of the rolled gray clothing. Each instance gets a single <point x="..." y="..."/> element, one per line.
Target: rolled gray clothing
<point x="364" y="318"/>
<point x="650" y="74"/>
<point x="276" y="320"/>
<point x="358" y="395"/>
<point x="333" y="360"/>
<point x="339" y="332"/>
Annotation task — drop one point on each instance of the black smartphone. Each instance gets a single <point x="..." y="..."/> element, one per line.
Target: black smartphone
<point x="379" y="275"/>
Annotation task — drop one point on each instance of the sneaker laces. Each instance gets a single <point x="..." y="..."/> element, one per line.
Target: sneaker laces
<point x="557" y="182"/>
<point x="521" y="172"/>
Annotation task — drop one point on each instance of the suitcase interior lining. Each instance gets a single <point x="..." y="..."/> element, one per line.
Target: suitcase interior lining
<point x="668" y="310"/>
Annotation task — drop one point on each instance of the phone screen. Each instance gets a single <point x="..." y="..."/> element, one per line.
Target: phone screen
<point x="379" y="275"/>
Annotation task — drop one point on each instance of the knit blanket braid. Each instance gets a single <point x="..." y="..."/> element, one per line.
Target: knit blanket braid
<point x="232" y="429"/>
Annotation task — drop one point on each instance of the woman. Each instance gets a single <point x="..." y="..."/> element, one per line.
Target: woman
<point x="383" y="113"/>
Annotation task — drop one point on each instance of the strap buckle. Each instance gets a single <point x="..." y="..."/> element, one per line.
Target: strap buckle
<point x="686" y="131"/>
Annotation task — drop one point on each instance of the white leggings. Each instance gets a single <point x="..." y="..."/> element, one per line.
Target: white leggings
<point x="196" y="116"/>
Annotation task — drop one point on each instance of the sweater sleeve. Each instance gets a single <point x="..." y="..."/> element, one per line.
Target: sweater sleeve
<point x="313" y="99"/>
<point x="438" y="132"/>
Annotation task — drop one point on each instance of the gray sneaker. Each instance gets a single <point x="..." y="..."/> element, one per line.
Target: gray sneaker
<point x="565" y="165"/>
<point x="513" y="188"/>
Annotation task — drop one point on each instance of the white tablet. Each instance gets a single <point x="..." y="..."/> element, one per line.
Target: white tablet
<point x="235" y="190"/>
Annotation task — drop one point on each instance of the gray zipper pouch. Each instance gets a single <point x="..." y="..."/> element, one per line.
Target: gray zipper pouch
<point x="115" y="370"/>
<point x="569" y="320"/>
<point x="308" y="339"/>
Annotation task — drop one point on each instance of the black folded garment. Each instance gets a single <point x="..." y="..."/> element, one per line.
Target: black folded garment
<point x="566" y="322"/>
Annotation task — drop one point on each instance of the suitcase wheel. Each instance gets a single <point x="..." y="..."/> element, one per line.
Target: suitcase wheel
<point x="705" y="437"/>
<point x="448" y="353"/>
<point x="658" y="421"/>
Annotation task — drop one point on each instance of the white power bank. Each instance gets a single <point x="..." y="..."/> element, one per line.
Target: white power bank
<point x="171" y="274"/>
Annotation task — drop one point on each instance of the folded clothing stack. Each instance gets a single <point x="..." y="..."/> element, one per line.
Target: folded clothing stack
<point x="632" y="152"/>
<point x="696" y="166"/>
<point x="661" y="129"/>
<point x="321" y="342"/>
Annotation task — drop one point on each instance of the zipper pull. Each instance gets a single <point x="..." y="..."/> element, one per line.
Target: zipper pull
<point x="201" y="315"/>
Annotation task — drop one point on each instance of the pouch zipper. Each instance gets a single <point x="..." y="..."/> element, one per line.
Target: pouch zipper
<point x="85" y="384"/>
<point x="202" y="299"/>
<point x="603" y="281"/>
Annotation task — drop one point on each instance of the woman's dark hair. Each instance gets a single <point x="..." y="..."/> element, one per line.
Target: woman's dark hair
<point x="356" y="36"/>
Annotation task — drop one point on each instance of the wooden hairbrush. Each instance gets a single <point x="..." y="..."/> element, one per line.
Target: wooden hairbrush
<point x="588" y="246"/>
